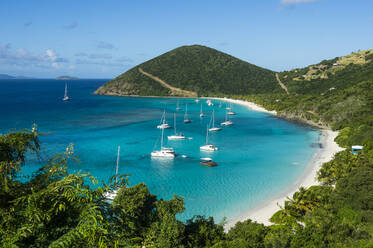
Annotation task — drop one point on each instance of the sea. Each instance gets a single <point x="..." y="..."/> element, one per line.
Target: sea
<point x="259" y="157"/>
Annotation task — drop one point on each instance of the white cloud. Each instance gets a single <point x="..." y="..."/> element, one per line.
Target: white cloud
<point x="294" y="2"/>
<point x="51" y="55"/>
<point x="24" y="58"/>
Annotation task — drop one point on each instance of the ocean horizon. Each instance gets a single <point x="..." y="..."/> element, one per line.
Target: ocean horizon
<point x="259" y="156"/>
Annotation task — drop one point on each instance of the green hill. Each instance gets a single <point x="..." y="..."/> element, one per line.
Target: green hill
<point x="337" y="93"/>
<point x="190" y="71"/>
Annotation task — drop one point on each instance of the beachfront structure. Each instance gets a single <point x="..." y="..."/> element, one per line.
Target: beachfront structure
<point x="356" y="149"/>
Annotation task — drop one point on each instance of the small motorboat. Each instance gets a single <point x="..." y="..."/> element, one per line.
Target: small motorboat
<point x="208" y="162"/>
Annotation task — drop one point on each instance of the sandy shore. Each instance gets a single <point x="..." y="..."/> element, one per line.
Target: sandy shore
<point x="249" y="105"/>
<point x="262" y="213"/>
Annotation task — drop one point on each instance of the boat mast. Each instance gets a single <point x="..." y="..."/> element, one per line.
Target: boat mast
<point x="162" y="139"/>
<point x="201" y="109"/>
<point x="186" y="112"/>
<point x="207" y="135"/>
<point x="116" y="170"/>
<point x="213" y="118"/>
<point x="175" y="122"/>
<point x="65" y="90"/>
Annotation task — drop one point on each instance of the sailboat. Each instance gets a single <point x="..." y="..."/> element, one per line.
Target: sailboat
<point x="208" y="147"/>
<point x="230" y="112"/>
<point x="201" y="114"/>
<point x="163" y="124"/>
<point x="227" y="122"/>
<point x="228" y="108"/>
<point x="220" y="105"/>
<point x="213" y="129"/>
<point x="177" y="105"/>
<point x="176" y="136"/>
<point x="112" y="194"/>
<point x="66" y="97"/>
<point x="186" y="119"/>
<point x="164" y="152"/>
<point x="197" y="100"/>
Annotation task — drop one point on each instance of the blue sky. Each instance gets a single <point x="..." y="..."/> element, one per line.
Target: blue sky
<point x="101" y="39"/>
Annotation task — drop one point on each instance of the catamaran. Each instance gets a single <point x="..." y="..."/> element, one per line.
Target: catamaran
<point x="208" y="147"/>
<point x="66" y="97"/>
<point x="186" y="118"/>
<point x="213" y="129"/>
<point x="164" y="152"/>
<point x="201" y="114"/>
<point x="112" y="194"/>
<point x="227" y="122"/>
<point x="176" y="136"/>
<point x="163" y="124"/>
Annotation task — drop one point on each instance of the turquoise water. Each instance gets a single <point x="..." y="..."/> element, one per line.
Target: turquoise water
<point x="259" y="157"/>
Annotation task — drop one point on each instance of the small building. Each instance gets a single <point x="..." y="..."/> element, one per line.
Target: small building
<point x="356" y="149"/>
<point x="335" y="64"/>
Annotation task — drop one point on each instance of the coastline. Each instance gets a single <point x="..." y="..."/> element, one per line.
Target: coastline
<point x="249" y="105"/>
<point x="264" y="212"/>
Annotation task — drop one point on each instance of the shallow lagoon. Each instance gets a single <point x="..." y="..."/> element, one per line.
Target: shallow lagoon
<point x="259" y="157"/>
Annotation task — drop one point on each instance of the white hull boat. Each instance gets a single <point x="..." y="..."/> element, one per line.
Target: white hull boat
<point x="165" y="152"/>
<point x="208" y="147"/>
<point x="214" y="129"/>
<point x="176" y="136"/>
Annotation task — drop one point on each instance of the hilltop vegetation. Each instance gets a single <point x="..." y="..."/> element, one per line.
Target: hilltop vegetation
<point x="198" y="69"/>
<point x="343" y="99"/>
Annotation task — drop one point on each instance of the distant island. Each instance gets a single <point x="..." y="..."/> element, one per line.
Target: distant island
<point x="6" y="76"/>
<point x="66" y="78"/>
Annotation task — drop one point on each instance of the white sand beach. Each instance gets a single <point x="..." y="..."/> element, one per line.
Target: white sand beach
<point x="249" y="105"/>
<point x="263" y="213"/>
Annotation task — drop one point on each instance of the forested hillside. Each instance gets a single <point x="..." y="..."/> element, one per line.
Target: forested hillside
<point x="199" y="69"/>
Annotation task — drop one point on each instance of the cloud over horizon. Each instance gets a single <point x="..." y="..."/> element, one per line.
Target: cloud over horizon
<point x="294" y="2"/>
<point x="95" y="62"/>
<point x="22" y="57"/>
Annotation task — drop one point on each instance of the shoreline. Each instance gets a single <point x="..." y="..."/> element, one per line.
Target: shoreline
<point x="249" y="105"/>
<point x="264" y="212"/>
